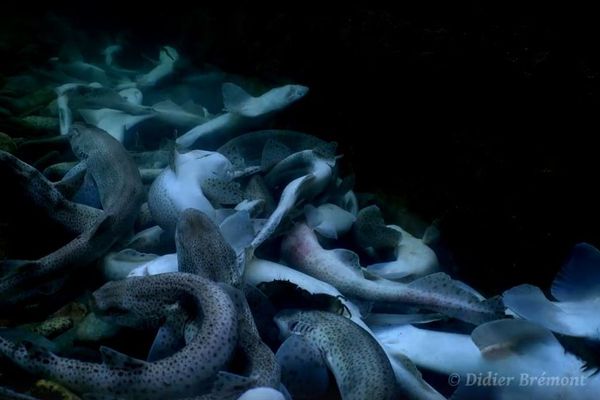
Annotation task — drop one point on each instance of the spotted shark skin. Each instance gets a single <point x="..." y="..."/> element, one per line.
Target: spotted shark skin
<point x="359" y="364"/>
<point x="188" y="372"/>
<point x="341" y="268"/>
<point x="121" y="194"/>
<point x="202" y="249"/>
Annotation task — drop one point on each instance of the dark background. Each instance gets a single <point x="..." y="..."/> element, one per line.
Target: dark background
<point x="481" y="115"/>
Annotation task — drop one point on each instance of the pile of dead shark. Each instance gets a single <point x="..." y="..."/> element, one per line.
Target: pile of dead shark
<point x="245" y="256"/>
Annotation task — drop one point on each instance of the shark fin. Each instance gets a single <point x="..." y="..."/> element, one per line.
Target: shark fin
<point x="228" y="382"/>
<point x="303" y="370"/>
<point x="350" y="260"/>
<point x="370" y="230"/>
<point x="460" y="302"/>
<point x="238" y="230"/>
<point x="170" y="337"/>
<point x="235" y="99"/>
<point x="117" y="359"/>
<point x="579" y="278"/>
<point x="529" y="303"/>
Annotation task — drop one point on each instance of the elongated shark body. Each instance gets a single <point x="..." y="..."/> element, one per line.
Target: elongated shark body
<point x="407" y="376"/>
<point x="243" y="111"/>
<point x="341" y="269"/>
<point x="121" y="194"/>
<point x="251" y="149"/>
<point x="168" y="58"/>
<point x="187" y="372"/>
<point x="360" y="366"/>
<point x="310" y="172"/>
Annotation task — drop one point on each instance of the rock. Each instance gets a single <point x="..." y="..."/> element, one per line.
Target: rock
<point x="50" y="390"/>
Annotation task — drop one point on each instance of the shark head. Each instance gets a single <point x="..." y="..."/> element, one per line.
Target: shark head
<point x="295" y="92"/>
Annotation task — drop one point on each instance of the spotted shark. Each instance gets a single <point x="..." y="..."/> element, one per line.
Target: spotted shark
<point x="134" y="302"/>
<point x="341" y="268"/>
<point x="202" y="250"/>
<point x="121" y="194"/>
<point x="360" y="366"/>
<point x="305" y="175"/>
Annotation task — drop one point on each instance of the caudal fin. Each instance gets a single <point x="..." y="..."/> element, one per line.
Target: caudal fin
<point x="529" y="303"/>
<point x="579" y="278"/>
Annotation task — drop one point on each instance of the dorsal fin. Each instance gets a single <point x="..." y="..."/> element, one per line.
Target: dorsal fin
<point x="170" y="337"/>
<point x="234" y="98"/>
<point x="173" y="154"/>
<point x="350" y="260"/>
<point x="237" y="230"/>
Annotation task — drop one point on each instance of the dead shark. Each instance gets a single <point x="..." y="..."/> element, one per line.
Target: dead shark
<point x="341" y="268"/>
<point x="182" y="185"/>
<point x="360" y="366"/>
<point x="134" y="302"/>
<point x="202" y="250"/>
<point x="310" y="172"/>
<point x="121" y="194"/>
<point x="243" y="110"/>
<point x="510" y="349"/>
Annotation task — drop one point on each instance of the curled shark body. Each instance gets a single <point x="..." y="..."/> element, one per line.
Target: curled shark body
<point x="47" y="196"/>
<point x="310" y="172"/>
<point x="202" y="250"/>
<point x="407" y="376"/>
<point x="360" y="366"/>
<point x="134" y="302"/>
<point x="341" y="268"/>
<point x="121" y="194"/>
